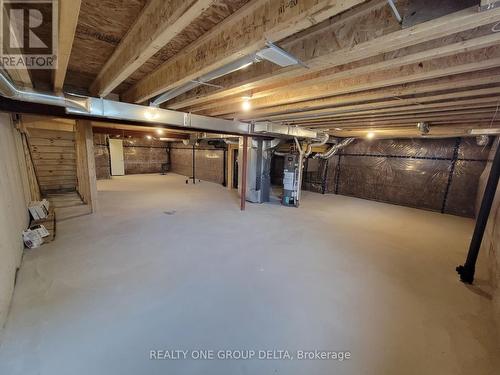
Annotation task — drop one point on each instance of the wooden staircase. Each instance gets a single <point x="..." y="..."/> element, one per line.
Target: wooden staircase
<point x="53" y="153"/>
<point x="68" y="205"/>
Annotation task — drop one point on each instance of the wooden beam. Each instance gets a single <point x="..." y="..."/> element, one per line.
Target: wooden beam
<point x="405" y="131"/>
<point x="85" y="163"/>
<point x="19" y="75"/>
<point x="245" y="32"/>
<point x="356" y="26"/>
<point x="396" y="104"/>
<point x="438" y="109"/>
<point x="386" y="62"/>
<point x="454" y="82"/>
<point x="68" y="19"/>
<point x="159" y="23"/>
<point x="433" y="69"/>
<point x="327" y="56"/>
<point x="465" y="116"/>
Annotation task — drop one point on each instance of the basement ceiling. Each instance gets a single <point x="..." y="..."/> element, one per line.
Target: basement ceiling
<point x="364" y="70"/>
<point x="103" y="23"/>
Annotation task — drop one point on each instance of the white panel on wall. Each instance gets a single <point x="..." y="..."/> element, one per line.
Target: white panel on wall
<point x="117" y="158"/>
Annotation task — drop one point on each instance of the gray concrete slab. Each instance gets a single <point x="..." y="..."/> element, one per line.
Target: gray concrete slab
<point x="165" y="265"/>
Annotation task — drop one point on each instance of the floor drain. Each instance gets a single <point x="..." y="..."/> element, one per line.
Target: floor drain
<point x="169" y="212"/>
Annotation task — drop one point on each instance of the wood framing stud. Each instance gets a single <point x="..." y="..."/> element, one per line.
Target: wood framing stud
<point x="85" y="163"/>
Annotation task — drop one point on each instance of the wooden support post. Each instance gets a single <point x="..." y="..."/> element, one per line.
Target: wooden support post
<point x="85" y="163"/>
<point x="244" y="173"/>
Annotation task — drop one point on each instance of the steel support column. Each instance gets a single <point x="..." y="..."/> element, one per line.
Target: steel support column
<point x="244" y="158"/>
<point x="467" y="270"/>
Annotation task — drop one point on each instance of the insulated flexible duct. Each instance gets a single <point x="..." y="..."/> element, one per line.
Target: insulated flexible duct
<point x="321" y="143"/>
<point x="333" y="150"/>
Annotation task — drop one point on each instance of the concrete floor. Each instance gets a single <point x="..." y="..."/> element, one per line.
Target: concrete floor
<point x="165" y="265"/>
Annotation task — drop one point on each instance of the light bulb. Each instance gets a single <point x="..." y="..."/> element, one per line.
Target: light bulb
<point x="246" y="105"/>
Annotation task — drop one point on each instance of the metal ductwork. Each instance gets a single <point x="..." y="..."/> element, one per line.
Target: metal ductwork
<point x="333" y="150"/>
<point x="272" y="53"/>
<point x="204" y="79"/>
<point x="109" y="109"/>
<point x="325" y="139"/>
<point x="9" y="90"/>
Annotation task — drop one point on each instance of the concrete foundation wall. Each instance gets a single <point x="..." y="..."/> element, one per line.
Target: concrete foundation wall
<point x="209" y="162"/>
<point x="14" y="198"/>
<point x="140" y="155"/>
<point x="433" y="174"/>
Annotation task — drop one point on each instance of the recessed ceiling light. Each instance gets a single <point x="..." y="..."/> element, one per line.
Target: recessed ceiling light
<point x="149" y="137"/>
<point x="370" y="135"/>
<point x="160" y="131"/>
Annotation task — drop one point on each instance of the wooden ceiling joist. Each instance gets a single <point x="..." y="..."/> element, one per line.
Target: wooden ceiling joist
<point x="485" y="117"/>
<point x="371" y="66"/>
<point x="159" y="23"/>
<point x="394" y="105"/>
<point x="433" y="69"/>
<point x="444" y="84"/>
<point x="68" y="19"/>
<point x="245" y="32"/>
<point x="405" y="131"/>
<point x="19" y="75"/>
<point x="488" y="108"/>
<point x="331" y="55"/>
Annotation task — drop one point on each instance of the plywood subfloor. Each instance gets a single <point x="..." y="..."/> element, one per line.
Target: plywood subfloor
<point x="165" y="265"/>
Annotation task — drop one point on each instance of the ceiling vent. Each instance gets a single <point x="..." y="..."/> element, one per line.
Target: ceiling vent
<point x="278" y="56"/>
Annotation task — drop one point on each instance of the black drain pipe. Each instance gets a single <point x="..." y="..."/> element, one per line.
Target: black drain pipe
<point x="467" y="271"/>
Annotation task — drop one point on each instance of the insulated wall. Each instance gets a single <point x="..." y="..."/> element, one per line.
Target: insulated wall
<point x="141" y="155"/>
<point x="101" y="153"/>
<point x="209" y="162"/>
<point x="433" y="174"/>
<point x="14" y="197"/>
<point x="490" y="246"/>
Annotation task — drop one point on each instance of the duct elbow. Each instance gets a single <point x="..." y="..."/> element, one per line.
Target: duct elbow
<point x="9" y="90"/>
<point x="333" y="150"/>
<point x="322" y="142"/>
